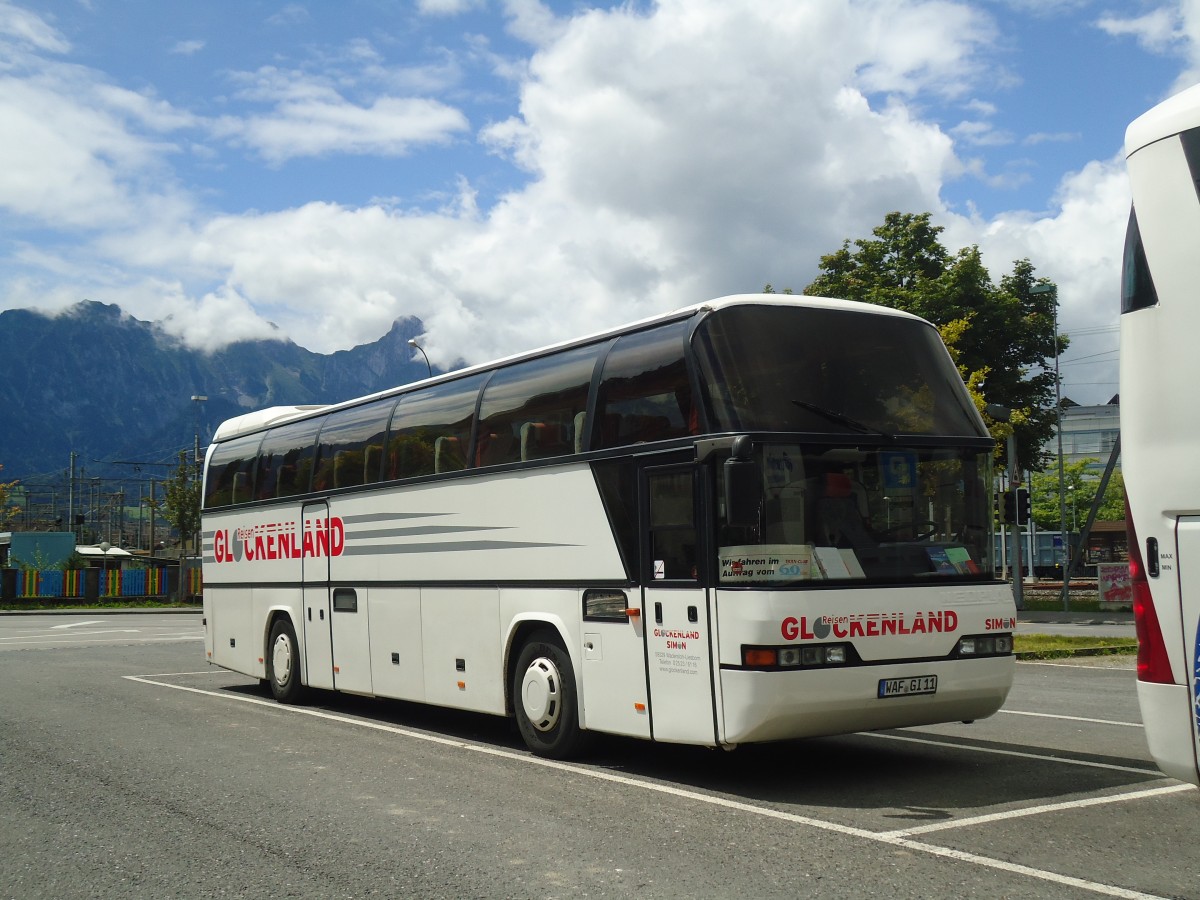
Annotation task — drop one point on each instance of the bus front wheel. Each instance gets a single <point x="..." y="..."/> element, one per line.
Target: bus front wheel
<point x="544" y="699"/>
<point x="283" y="663"/>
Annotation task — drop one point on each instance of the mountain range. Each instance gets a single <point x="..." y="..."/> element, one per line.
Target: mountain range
<point x="118" y="391"/>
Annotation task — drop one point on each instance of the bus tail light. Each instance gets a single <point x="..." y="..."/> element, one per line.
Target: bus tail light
<point x="1153" y="665"/>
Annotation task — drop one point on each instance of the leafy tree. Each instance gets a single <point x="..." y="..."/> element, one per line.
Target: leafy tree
<point x="1080" y="486"/>
<point x="8" y="510"/>
<point x="181" y="503"/>
<point x="1001" y="337"/>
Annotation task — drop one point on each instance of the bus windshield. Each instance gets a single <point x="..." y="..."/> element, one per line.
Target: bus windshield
<point x="812" y="369"/>
<point x="888" y="515"/>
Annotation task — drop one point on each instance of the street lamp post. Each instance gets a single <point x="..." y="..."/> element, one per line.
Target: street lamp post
<point x="412" y="342"/>
<point x="1048" y="287"/>
<point x="104" y="548"/>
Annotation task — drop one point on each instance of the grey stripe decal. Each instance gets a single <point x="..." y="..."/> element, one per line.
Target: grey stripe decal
<point x="446" y="547"/>
<point x="390" y="517"/>
<point x="424" y="529"/>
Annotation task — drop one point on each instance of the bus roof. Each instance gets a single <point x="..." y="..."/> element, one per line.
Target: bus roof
<point x="1170" y="117"/>
<point x="264" y="418"/>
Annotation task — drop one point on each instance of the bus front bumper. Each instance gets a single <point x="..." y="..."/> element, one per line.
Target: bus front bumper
<point x="781" y="705"/>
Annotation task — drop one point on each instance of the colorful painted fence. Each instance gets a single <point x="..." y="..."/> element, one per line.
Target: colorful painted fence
<point x="88" y="583"/>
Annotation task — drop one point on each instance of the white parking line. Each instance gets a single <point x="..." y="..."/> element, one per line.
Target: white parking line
<point x="894" y="839"/>
<point x="1017" y="712"/>
<point x="82" y="638"/>
<point x="1038" y="810"/>
<point x="1042" y="757"/>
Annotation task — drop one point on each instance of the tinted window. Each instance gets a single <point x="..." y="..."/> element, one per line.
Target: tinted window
<point x="786" y="368"/>
<point x="536" y="409"/>
<point x="1137" y="287"/>
<point x="672" y="526"/>
<point x="285" y="463"/>
<point x="230" y="477"/>
<point x="350" y="448"/>
<point x="431" y="429"/>
<point x="645" y="394"/>
<point x="617" y="480"/>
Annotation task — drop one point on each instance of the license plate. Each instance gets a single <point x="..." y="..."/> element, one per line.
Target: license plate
<point x="907" y="687"/>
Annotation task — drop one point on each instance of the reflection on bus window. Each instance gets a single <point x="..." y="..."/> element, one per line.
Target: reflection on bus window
<point x="535" y="410"/>
<point x="431" y="429"/>
<point x="861" y="512"/>
<point x="644" y="392"/>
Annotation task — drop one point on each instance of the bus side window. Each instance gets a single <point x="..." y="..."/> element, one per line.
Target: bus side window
<point x="645" y="394"/>
<point x="430" y="429"/>
<point x="228" y="478"/>
<point x="528" y="409"/>
<point x="286" y="459"/>
<point x="343" y="456"/>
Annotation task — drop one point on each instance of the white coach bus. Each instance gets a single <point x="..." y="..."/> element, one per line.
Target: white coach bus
<point x="749" y="520"/>
<point x="1160" y="424"/>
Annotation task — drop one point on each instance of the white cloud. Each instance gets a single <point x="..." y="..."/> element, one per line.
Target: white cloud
<point x="29" y="30"/>
<point x="533" y="22"/>
<point x="309" y="116"/>
<point x="188" y="48"/>
<point x="389" y="126"/>
<point x="447" y="7"/>
<point x="1157" y="31"/>
<point x="289" y="14"/>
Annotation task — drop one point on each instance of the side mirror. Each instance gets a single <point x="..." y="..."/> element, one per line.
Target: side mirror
<point x="743" y="485"/>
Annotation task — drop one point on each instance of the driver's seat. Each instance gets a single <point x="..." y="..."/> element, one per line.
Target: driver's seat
<point x="841" y="517"/>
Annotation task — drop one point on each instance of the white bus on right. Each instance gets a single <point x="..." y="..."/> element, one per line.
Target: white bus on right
<point x="1160" y="423"/>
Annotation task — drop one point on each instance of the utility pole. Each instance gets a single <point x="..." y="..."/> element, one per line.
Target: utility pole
<point x="71" y="496"/>
<point x="1004" y="414"/>
<point x="153" y="485"/>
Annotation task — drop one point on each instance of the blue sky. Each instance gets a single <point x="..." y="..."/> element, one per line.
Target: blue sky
<point x="515" y="173"/>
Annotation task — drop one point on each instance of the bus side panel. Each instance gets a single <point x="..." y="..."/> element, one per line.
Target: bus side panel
<point x="230" y="622"/>
<point x="1169" y="732"/>
<point x="397" y="657"/>
<point x="463" y="668"/>
<point x="1187" y="562"/>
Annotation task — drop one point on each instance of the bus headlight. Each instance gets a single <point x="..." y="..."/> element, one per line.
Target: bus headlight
<point x="794" y="656"/>
<point x="984" y="645"/>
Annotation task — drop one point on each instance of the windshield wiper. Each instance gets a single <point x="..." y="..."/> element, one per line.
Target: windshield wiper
<point x="842" y="419"/>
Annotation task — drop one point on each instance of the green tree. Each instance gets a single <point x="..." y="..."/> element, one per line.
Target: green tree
<point x="8" y="510"/>
<point x="1001" y="336"/>
<point x="181" y="502"/>
<point x="1080" y="485"/>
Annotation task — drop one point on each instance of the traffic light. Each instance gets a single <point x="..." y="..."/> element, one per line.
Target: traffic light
<point x="1022" y="506"/>
<point x="1009" y="514"/>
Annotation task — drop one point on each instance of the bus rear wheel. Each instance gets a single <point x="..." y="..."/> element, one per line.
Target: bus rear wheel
<point x="283" y="663"/>
<point x="544" y="699"/>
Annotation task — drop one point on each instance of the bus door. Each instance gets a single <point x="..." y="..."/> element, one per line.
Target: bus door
<point x="1187" y="564"/>
<point x="676" y="608"/>
<point x="318" y="635"/>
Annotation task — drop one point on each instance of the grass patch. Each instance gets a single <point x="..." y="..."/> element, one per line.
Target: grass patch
<point x="1054" y="646"/>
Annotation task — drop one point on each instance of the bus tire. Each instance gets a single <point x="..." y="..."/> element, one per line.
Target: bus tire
<point x="283" y="663"/>
<point x="544" y="699"/>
